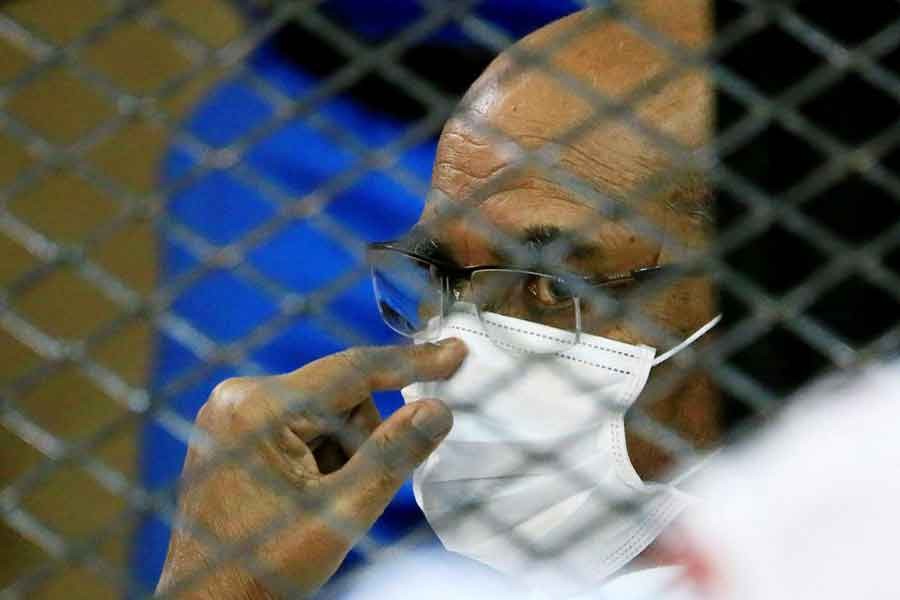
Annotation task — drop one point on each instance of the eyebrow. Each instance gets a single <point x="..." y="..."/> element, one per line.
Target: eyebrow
<point x="421" y="241"/>
<point x="536" y="239"/>
<point x="571" y="243"/>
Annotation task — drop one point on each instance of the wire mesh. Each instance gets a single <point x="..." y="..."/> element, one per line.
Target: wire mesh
<point x="805" y="258"/>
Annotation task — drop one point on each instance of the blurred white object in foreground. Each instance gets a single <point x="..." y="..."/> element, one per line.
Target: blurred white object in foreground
<point x="811" y="508"/>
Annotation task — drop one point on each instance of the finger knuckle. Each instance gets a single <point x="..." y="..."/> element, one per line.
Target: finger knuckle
<point x="356" y="360"/>
<point x="385" y="472"/>
<point x="227" y="409"/>
<point x="364" y="366"/>
<point x="389" y="458"/>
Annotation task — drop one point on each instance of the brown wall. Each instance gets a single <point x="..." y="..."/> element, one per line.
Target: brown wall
<point x="67" y="208"/>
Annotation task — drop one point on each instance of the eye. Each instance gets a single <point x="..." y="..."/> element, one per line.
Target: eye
<point x="549" y="291"/>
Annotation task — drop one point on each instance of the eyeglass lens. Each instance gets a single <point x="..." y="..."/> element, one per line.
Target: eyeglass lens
<point x="407" y="290"/>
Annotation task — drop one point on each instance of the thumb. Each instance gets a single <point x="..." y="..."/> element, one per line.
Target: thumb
<point x="376" y="471"/>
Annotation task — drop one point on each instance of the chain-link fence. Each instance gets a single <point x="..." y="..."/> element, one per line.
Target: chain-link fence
<point x="191" y="194"/>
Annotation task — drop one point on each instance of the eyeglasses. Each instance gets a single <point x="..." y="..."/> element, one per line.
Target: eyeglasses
<point x="414" y="293"/>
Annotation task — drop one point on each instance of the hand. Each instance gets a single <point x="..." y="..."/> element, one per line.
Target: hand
<point x="287" y="472"/>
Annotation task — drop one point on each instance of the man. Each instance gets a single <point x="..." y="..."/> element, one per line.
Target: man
<point x="208" y="209"/>
<point x="296" y="467"/>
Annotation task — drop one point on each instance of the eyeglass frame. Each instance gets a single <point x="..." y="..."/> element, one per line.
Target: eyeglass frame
<point x="448" y="271"/>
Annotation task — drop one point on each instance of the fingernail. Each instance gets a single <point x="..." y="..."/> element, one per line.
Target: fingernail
<point x="448" y="343"/>
<point x="452" y="347"/>
<point x="432" y="421"/>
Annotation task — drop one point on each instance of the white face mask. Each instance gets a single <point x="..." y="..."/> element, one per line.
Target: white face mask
<point x="534" y="479"/>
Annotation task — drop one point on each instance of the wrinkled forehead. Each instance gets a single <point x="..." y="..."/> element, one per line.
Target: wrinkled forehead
<point x="609" y="169"/>
<point x="485" y="189"/>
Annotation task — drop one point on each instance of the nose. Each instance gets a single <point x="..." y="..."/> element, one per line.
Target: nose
<point x="460" y="291"/>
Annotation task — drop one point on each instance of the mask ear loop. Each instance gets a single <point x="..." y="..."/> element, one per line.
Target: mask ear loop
<point x="701" y="464"/>
<point x="690" y="340"/>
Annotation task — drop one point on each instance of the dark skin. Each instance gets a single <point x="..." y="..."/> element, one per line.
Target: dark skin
<point x="314" y="461"/>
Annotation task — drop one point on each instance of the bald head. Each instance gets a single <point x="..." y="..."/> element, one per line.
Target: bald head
<point x="595" y="62"/>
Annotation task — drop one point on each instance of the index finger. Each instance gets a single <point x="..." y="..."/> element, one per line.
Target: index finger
<point x="342" y="381"/>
